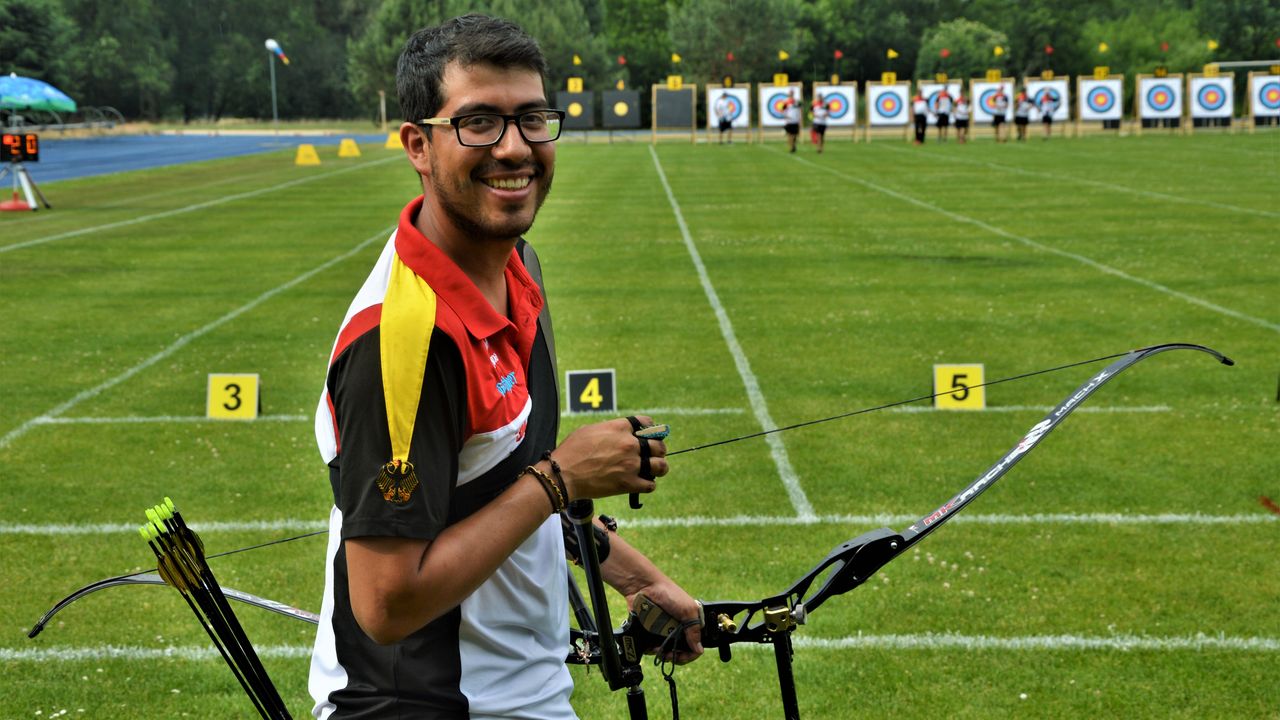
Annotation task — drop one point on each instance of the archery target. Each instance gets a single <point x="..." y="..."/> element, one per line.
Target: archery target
<point x="1211" y="97"/>
<point x="930" y="91"/>
<point x="887" y="104"/>
<point x="1059" y="89"/>
<point x="739" y="100"/>
<point x="1265" y="95"/>
<point x="773" y="103"/>
<point x="841" y="104"/>
<point x="1159" y="98"/>
<point x="1100" y="99"/>
<point x="984" y="99"/>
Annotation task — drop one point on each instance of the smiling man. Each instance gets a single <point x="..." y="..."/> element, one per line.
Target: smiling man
<point x="446" y="580"/>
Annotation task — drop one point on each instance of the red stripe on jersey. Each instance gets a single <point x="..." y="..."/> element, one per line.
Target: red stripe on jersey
<point x="361" y="323"/>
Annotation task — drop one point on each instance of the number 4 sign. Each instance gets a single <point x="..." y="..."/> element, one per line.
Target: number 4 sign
<point x="232" y="397"/>
<point x="590" y="390"/>
<point x="960" y="383"/>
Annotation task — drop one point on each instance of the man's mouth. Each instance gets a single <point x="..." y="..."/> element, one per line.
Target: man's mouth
<point x="515" y="183"/>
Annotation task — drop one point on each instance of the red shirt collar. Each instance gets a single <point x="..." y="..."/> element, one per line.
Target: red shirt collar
<point x="453" y="286"/>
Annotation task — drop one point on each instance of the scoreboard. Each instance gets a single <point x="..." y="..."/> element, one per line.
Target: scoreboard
<point x="19" y="147"/>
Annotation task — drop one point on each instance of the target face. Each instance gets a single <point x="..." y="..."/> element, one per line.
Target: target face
<point x="1160" y="97"/>
<point x="734" y="102"/>
<point x="987" y="100"/>
<point x="887" y="104"/>
<point x="773" y="103"/>
<point x="1211" y="97"/>
<point x="1269" y="95"/>
<point x="777" y="105"/>
<point x="840" y="103"/>
<point x="1101" y="99"/>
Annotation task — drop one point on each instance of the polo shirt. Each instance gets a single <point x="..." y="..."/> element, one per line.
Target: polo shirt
<point x="488" y="408"/>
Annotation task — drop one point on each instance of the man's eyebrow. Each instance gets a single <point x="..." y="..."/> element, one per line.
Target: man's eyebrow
<point x="480" y="107"/>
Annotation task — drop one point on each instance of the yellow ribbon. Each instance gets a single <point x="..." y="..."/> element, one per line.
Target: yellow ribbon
<point x="408" y="317"/>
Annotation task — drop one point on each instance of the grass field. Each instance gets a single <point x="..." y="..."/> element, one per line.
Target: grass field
<point x="1127" y="567"/>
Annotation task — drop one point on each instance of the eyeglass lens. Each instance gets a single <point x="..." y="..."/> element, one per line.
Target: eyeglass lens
<point x="485" y="129"/>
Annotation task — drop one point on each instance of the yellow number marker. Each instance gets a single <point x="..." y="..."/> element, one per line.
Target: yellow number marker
<point x="590" y="391"/>
<point x="959" y="383"/>
<point x="232" y="396"/>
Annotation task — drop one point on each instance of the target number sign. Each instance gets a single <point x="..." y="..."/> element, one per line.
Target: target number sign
<point x="232" y="396"/>
<point x="590" y="391"/>
<point x="960" y="383"/>
<point x="20" y="147"/>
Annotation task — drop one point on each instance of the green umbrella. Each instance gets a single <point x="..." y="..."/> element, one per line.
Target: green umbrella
<point x="21" y="93"/>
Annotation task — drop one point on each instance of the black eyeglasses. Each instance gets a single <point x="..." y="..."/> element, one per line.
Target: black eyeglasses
<point x="485" y="129"/>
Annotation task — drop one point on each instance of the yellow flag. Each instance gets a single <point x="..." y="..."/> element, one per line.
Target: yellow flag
<point x="675" y="58"/>
<point x="784" y="55"/>
<point x="998" y="51"/>
<point x="577" y="60"/>
<point x="1103" y="47"/>
<point x="891" y="54"/>
<point x="1213" y="44"/>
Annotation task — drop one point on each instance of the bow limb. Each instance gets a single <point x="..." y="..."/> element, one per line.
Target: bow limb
<point x="151" y="578"/>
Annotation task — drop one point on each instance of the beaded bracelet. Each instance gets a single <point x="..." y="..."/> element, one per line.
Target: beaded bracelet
<point x="554" y="494"/>
<point x="555" y="472"/>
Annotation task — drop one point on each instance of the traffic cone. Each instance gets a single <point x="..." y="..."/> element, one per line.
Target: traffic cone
<point x="15" y="204"/>
<point x="307" y="155"/>
<point x="348" y="148"/>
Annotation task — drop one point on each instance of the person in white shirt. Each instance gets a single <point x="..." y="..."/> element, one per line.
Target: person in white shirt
<point x="1000" y="105"/>
<point x="1048" y="102"/>
<point x="920" y="113"/>
<point x="1022" y="114"/>
<point x="792" y="117"/>
<point x="723" y="109"/>
<point x="962" y="119"/>
<point x="820" y="111"/>
<point x="942" y="109"/>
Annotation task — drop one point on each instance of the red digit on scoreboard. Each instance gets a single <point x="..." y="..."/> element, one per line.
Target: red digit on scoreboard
<point x="33" y="145"/>
<point x="14" y="145"/>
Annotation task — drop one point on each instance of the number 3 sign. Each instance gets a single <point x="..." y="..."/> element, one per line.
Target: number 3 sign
<point x="232" y="397"/>
<point x="960" y="385"/>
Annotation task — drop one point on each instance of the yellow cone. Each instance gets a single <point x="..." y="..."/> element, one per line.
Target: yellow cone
<point x="393" y="141"/>
<point x="307" y="155"/>
<point x="348" y="148"/>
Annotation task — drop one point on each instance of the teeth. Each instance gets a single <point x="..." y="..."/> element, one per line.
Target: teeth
<point x="508" y="183"/>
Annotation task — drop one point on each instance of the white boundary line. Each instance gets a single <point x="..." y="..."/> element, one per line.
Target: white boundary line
<point x="1037" y="408"/>
<point x="1044" y="248"/>
<point x="133" y="419"/>
<point x="190" y="208"/>
<point x="758" y="405"/>
<point x="1096" y="183"/>
<point x="52" y="415"/>
<point x="915" y="641"/>
<point x="883" y="519"/>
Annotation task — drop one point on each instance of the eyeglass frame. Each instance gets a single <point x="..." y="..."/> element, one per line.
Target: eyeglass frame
<point x="506" y="120"/>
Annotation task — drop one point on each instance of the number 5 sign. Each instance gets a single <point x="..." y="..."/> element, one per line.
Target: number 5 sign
<point x="960" y="383"/>
<point x="232" y="397"/>
<point x="590" y="390"/>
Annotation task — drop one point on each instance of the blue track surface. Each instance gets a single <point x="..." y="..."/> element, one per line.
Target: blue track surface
<point x="68" y="159"/>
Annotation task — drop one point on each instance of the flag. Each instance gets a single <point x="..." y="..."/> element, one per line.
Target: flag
<point x="1103" y="47"/>
<point x="1213" y="44"/>
<point x="1048" y="49"/>
<point x="729" y="56"/>
<point x="891" y="54"/>
<point x="675" y="58"/>
<point x="838" y="53"/>
<point x="577" y="60"/>
<point x="784" y="55"/>
<point x="944" y="53"/>
<point x="622" y="59"/>
<point x="274" y="47"/>
<point x="998" y="51"/>
<point x="1164" y="46"/>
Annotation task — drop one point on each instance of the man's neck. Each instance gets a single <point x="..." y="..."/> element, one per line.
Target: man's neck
<point x="484" y="262"/>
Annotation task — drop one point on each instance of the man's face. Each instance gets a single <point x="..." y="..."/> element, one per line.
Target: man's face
<point x="489" y="193"/>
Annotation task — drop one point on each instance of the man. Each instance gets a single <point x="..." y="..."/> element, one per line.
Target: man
<point x="1022" y="114"/>
<point x="724" y="115"/>
<point x="920" y="116"/>
<point x="446" y="584"/>
<point x="999" y="109"/>
<point x="1048" y="106"/>
<point x="962" y="119"/>
<point x="821" y="111"/>
<point x="942" y="107"/>
<point x="791" y="119"/>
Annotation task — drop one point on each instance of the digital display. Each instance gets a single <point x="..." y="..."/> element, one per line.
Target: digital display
<point x="19" y="147"/>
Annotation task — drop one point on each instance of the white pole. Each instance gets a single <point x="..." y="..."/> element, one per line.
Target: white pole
<point x="275" y="115"/>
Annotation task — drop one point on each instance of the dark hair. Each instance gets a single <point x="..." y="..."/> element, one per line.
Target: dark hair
<point x="469" y="40"/>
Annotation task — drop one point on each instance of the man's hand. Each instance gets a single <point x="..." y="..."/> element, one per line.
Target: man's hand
<point x="681" y="606"/>
<point x="603" y="459"/>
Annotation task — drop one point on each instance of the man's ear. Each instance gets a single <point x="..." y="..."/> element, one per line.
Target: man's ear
<point x="416" y="147"/>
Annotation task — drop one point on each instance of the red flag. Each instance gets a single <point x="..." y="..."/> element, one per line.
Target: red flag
<point x="838" y="53"/>
<point x="1048" y="49"/>
<point x="729" y="56"/>
<point x="622" y="59"/>
<point x="1164" y="47"/>
<point x="944" y="53"/>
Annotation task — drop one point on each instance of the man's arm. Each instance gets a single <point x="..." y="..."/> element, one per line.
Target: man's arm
<point x="629" y="572"/>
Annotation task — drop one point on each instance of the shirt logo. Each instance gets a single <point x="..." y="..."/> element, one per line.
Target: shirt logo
<point x="507" y="382"/>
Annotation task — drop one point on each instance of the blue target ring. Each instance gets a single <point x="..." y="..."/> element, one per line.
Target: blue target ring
<point x="735" y="107"/>
<point x="777" y="106"/>
<point x="1160" y="97"/>
<point x="1269" y="95"/>
<point x="1100" y="99"/>
<point x="837" y="107"/>
<point x="1042" y="93"/>
<point x="987" y="100"/>
<point x="1211" y="97"/>
<point x="888" y="105"/>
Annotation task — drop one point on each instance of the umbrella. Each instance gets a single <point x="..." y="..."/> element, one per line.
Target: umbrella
<point x="22" y="93"/>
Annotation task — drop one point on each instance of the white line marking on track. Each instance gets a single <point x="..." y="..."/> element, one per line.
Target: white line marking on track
<point x="657" y="412"/>
<point x="1096" y="183"/>
<point x="884" y="519"/>
<point x="189" y="208"/>
<point x="181" y="342"/>
<point x="1038" y="408"/>
<point x="132" y="419"/>
<point x="1042" y="247"/>
<point x="779" y="451"/>
<point x="915" y="641"/>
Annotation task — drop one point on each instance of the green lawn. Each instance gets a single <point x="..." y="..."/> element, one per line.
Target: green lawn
<point x="1126" y="567"/>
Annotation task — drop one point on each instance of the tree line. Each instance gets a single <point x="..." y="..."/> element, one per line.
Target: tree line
<point x="205" y="59"/>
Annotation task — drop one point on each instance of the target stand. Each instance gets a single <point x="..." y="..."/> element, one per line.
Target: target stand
<point x="22" y="178"/>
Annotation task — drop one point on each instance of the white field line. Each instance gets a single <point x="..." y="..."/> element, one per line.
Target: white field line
<point x="181" y="342"/>
<point x="754" y="394"/>
<point x="135" y="419"/>
<point x="1044" y="248"/>
<point x="916" y="641"/>
<point x="869" y="521"/>
<point x="1098" y="183"/>
<point x="1039" y="408"/>
<point x="189" y="208"/>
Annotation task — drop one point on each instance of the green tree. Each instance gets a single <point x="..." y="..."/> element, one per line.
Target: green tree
<point x="969" y="48"/>
<point x="34" y="35"/>
<point x="703" y="32"/>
